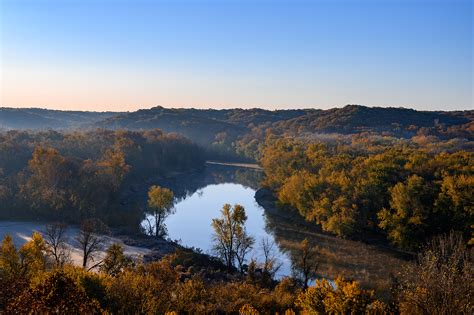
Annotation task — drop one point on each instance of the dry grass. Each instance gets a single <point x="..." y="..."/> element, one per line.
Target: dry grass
<point x="371" y="265"/>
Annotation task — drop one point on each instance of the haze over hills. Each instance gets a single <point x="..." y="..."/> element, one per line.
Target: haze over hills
<point x="202" y="125"/>
<point x="37" y="118"/>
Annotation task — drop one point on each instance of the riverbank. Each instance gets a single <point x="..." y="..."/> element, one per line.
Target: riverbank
<point x="243" y="165"/>
<point x="373" y="265"/>
<point x="140" y="247"/>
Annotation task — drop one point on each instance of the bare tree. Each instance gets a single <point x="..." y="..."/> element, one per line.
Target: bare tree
<point x="270" y="265"/>
<point x="91" y="241"/>
<point x="243" y="245"/>
<point x="441" y="280"/>
<point x="148" y="227"/>
<point x="305" y="266"/>
<point x="56" y="243"/>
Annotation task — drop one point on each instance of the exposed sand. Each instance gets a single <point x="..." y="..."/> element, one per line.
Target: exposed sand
<point x="21" y="233"/>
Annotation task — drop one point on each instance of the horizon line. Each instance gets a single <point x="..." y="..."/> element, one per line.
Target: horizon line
<point x="231" y="108"/>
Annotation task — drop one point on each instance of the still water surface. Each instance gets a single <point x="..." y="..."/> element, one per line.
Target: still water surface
<point x="191" y="222"/>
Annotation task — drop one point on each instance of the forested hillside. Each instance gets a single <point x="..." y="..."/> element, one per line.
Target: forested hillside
<point x="36" y="118"/>
<point x="405" y="192"/>
<point x="239" y="133"/>
<point x="74" y="175"/>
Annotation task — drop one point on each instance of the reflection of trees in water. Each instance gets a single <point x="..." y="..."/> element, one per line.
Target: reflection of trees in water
<point x="370" y="265"/>
<point x="185" y="185"/>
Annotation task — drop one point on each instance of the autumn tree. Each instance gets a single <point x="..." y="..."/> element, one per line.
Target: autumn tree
<point x="56" y="293"/>
<point x="344" y="297"/>
<point x="32" y="258"/>
<point x="115" y="260"/>
<point x="410" y="208"/>
<point x="229" y="234"/>
<point x="113" y="167"/>
<point x="47" y="184"/>
<point x="10" y="266"/>
<point x="160" y="206"/>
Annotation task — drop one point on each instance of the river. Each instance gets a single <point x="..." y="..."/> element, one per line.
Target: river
<point x="191" y="222"/>
<point x="200" y="197"/>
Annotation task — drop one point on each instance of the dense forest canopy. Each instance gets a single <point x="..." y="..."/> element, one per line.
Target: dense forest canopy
<point x="73" y="175"/>
<point x="407" y="192"/>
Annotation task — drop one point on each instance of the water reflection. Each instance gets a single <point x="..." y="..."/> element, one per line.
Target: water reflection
<point x="201" y="196"/>
<point x="191" y="223"/>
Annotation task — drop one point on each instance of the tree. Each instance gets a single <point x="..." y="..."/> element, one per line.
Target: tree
<point x="270" y="265"/>
<point x="9" y="259"/>
<point x="410" y="207"/>
<point x="26" y="262"/>
<point x="113" y="167"/>
<point x="49" y="175"/>
<point x="346" y="297"/>
<point x="440" y="281"/>
<point x="243" y="245"/>
<point x="57" y="293"/>
<point x="32" y="258"/>
<point x="115" y="260"/>
<point x="56" y="243"/>
<point x="229" y="234"/>
<point x="305" y="266"/>
<point x="90" y="240"/>
<point x="160" y="205"/>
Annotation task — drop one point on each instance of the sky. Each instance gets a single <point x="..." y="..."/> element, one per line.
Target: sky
<point x="124" y="55"/>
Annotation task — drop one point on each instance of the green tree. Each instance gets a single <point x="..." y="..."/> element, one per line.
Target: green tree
<point x="160" y="206"/>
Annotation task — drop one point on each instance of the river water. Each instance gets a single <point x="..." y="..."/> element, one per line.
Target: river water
<point x="191" y="221"/>
<point x="200" y="198"/>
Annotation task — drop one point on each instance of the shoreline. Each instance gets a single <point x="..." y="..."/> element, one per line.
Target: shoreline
<point x="253" y="166"/>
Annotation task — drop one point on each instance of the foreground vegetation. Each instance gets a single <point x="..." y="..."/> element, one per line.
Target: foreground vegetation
<point x="440" y="282"/>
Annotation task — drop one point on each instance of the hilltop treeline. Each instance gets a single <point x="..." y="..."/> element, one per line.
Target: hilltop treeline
<point x="73" y="175"/>
<point x="238" y="134"/>
<point x="407" y="193"/>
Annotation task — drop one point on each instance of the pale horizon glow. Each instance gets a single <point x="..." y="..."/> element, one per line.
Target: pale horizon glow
<point x="119" y="55"/>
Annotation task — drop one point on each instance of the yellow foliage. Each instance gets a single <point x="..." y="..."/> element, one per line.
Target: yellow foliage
<point x="344" y="297"/>
<point x="248" y="309"/>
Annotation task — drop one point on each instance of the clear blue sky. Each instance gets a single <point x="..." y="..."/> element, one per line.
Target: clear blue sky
<point x="124" y="55"/>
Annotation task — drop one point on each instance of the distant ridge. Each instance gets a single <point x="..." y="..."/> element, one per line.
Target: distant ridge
<point x="37" y="118"/>
<point x="206" y="126"/>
